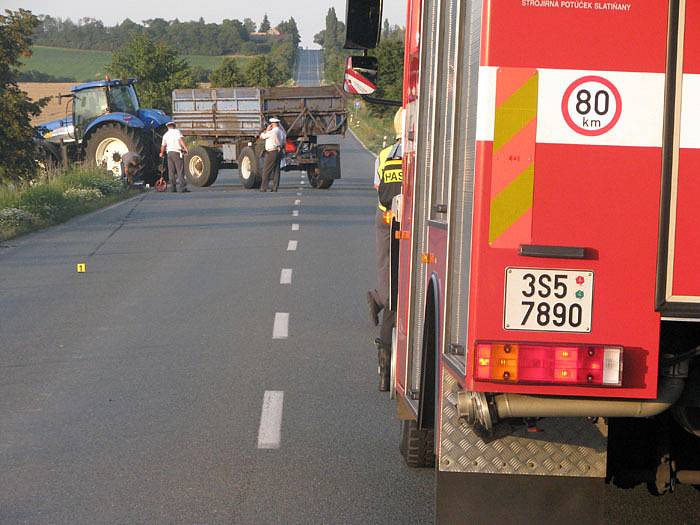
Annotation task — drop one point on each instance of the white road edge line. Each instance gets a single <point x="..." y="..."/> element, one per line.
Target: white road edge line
<point x="295" y="227"/>
<point x="295" y="213"/>
<point x="270" y="429"/>
<point x="280" y="330"/>
<point x="286" y="276"/>
<point x="292" y="246"/>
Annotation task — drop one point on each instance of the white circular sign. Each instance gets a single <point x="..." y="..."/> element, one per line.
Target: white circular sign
<point x="591" y="106"/>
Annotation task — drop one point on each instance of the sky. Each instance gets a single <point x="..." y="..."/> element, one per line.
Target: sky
<point x="310" y="15"/>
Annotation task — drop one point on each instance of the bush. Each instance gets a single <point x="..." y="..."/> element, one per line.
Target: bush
<point x="91" y="179"/>
<point x="83" y="194"/>
<point x="56" y="198"/>
<point x="45" y="201"/>
<point x="16" y="218"/>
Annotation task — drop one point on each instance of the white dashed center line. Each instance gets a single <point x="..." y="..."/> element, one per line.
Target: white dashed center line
<point x="292" y="246"/>
<point x="299" y="193"/>
<point x="286" y="276"/>
<point x="295" y="227"/>
<point x="295" y="213"/>
<point x="280" y="330"/>
<point x="297" y="202"/>
<point x="270" y="430"/>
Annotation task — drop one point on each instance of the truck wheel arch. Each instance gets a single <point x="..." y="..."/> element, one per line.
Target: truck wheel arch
<point x="429" y="355"/>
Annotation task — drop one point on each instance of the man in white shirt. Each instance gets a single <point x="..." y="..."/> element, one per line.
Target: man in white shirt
<point x="275" y="138"/>
<point x="173" y="144"/>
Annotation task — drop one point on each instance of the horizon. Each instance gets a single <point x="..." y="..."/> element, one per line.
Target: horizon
<point x="306" y="14"/>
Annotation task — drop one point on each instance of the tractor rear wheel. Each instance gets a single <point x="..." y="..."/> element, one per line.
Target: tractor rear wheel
<point x="249" y="168"/>
<point x="201" y="166"/>
<point x="109" y="143"/>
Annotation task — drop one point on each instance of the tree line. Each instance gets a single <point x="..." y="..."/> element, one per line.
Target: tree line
<point x="190" y="38"/>
<point x="389" y="53"/>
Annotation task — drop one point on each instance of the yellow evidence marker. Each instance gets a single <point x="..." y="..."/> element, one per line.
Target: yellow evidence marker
<point x="80" y="267"/>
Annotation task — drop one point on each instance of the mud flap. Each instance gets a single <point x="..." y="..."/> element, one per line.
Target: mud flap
<point x="555" y="474"/>
<point x="487" y="499"/>
<point x="328" y="161"/>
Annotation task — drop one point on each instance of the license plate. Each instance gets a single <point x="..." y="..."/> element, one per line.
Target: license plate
<point x="548" y="300"/>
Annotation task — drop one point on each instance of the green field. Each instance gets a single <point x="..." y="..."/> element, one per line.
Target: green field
<point x="80" y="65"/>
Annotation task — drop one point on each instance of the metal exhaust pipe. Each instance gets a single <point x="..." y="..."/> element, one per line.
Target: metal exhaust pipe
<point x="517" y="405"/>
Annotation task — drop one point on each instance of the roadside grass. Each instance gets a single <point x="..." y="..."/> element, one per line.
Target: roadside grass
<point x="82" y="65"/>
<point x="371" y="129"/>
<point x="55" y="198"/>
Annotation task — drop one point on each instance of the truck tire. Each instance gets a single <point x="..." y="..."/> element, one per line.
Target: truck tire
<point x="108" y="143"/>
<point x="249" y="168"/>
<point x="201" y="166"/>
<point x="417" y="446"/>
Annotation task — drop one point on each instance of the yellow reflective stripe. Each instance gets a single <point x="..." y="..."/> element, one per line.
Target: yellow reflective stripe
<point x="515" y="113"/>
<point x="381" y="208"/>
<point x="512" y="203"/>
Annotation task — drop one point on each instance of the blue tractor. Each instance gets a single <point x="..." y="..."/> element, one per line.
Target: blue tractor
<point x="103" y="122"/>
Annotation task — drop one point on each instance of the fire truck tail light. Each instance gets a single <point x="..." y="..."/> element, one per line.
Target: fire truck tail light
<point x="554" y="364"/>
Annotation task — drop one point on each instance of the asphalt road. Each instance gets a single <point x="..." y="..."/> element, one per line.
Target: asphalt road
<point x="134" y="393"/>
<point x="309" y="67"/>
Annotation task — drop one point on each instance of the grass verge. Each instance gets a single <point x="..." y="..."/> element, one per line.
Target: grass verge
<point x="371" y="129"/>
<point x="56" y="198"/>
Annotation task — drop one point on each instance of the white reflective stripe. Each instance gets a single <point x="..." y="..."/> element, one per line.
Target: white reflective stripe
<point x="486" y="105"/>
<point x="690" y="112"/>
<point x="641" y="120"/>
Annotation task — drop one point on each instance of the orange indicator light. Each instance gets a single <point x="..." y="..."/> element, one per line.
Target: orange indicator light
<point x="428" y="258"/>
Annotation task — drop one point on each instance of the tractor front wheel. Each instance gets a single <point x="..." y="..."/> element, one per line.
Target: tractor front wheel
<point x="109" y="143"/>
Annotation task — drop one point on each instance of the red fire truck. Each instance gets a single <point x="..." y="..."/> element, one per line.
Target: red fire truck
<point x="548" y="291"/>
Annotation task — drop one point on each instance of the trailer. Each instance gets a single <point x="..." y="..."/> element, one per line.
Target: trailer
<point x="226" y="123"/>
<point x="547" y="290"/>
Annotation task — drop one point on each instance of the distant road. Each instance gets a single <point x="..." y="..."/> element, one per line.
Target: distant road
<point x="308" y="67"/>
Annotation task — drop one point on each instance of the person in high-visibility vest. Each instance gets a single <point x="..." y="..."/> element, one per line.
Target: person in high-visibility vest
<point x="388" y="179"/>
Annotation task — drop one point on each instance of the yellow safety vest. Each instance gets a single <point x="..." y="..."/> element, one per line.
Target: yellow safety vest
<point x="390" y="174"/>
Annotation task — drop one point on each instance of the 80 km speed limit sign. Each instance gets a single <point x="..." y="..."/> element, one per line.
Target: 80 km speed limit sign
<point x="591" y="106"/>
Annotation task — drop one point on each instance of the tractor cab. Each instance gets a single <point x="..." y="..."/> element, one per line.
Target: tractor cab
<point x="95" y="99"/>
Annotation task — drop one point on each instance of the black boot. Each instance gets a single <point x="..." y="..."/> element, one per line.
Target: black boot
<point x="384" y="358"/>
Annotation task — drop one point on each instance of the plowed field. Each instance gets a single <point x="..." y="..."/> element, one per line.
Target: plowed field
<point x="56" y="108"/>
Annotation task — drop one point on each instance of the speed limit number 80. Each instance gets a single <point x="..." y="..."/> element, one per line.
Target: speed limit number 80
<point x="591" y="105"/>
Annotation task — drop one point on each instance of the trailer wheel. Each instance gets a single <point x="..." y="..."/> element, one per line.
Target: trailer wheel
<point x="417" y="446"/>
<point x="107" y="145"/>
<point x="249" y="168"/>
<point x="201" y="166"/>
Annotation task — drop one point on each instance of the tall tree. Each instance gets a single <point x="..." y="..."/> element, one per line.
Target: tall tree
<point x="17" y="147"/>
<point x="289" y="28"/>
<point x="263" y="72"/>
<point x="265" y="24"/>
<point x="157" y="66"/>
<point x="227" y="74"/>
<point x="331" y="35"/>
<point x="249" y="25"/>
